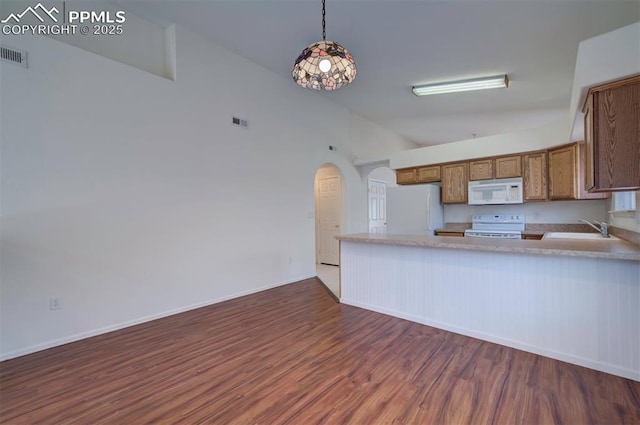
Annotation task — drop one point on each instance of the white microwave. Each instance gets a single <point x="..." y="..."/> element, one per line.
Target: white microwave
<point x="493" y="192"/>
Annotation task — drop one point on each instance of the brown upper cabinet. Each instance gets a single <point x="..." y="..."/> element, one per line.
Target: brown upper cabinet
<point x="535" y="176"/>
<point x="562" y="172"/>
<point x="481" y="169"/>
<point x="612" y="136"/>
<point x="428" y="174"/>
<point x="503" y="167"/>
<point x="566" y="174"/>
<point x="508" y="166"/>
<point x="554" y="174"/>
<point x="455" y="180"/>
<point x="406" y="176"/>
<point x="581" y="177"/>
<point x="413" y="175"/>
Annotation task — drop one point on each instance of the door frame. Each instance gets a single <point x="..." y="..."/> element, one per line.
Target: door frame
<point x="341" y="203"/>
<point x="369" y="180"/>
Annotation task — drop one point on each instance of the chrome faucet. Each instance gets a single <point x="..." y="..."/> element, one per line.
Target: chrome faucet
<point x="601" y="227"/>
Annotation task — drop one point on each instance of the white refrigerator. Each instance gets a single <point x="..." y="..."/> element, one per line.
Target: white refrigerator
<point x="414" y="210"/>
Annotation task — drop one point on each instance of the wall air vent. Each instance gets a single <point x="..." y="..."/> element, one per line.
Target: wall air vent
<point x="239" y="122"/>
<point x="14" y="56"/>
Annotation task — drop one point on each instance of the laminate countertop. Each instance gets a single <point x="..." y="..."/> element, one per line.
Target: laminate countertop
<point x="611" y="250"/>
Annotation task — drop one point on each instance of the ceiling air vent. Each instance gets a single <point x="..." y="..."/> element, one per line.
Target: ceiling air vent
<point x="14" y="56"/>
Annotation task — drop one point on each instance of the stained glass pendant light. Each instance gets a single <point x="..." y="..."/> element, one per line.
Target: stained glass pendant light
<point x="324" y="65"/>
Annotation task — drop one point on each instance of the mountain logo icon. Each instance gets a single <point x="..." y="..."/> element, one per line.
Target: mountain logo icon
<point x="34" y="11"/>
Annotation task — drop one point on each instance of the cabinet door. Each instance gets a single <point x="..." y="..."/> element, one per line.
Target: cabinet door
<point x="589" y="180"/>
<point x="406" y="176"/>
<point x="581" y="175"/>
<point x="481" y="169"/>
<point x="455" y="181"/>
<point x="508" y="166"/>
<point x="615" y="135"/>
<point x="562" y="173"/>
<point x="428" y="174"/>
<point x="535" y="176"/>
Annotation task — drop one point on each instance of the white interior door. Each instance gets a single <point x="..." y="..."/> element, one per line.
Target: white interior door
<point x="329" y="198"/>
<point x="377" y="206"/>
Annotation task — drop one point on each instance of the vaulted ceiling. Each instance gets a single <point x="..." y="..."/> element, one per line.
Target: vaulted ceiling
<point x="397" y="44"/>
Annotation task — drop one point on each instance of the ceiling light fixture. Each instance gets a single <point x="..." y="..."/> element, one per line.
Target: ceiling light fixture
<point x="324" y="65"/>
<point x="497" y="82"/>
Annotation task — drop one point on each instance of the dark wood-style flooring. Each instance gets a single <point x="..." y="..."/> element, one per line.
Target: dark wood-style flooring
<point x="291" y="355"/>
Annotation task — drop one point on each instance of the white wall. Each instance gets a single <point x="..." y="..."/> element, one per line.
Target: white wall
<point x="130" y="196"/>
<point x="566" y="212"/>
<point x="366" y="136"/>
<point x="143" y="44"/>
<point x="608" y="57"/>
<point x="384" y="174"/>
<point x="553" y="134"/>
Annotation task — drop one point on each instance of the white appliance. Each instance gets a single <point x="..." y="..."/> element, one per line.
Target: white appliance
<point x="414" y="210"/>
<point x="492" y="192"/>
<point x="505" y="226"/>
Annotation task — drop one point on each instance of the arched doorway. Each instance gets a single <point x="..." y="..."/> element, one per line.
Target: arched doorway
<point x="330" y="214"/>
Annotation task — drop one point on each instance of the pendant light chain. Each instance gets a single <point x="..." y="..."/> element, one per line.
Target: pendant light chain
<point x="324" y="23"/>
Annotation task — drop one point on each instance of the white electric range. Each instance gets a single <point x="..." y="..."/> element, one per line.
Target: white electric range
<point x="501" y="225"/>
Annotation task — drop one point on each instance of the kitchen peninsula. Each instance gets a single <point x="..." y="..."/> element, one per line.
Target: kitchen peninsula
<point x="576" y="301"/>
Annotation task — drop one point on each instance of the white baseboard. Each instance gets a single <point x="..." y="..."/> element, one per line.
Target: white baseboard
<point x="122" y="325"/>
<point x="588" y="363"/>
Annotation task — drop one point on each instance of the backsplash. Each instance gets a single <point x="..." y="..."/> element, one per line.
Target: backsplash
<point x="531" y="227"/>
<point x="627" y="235"/>
<point x="629" y="221"/>
<point x="556" y="212"/>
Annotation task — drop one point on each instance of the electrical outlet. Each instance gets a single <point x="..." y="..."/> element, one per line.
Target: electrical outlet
<point x="55" y="303"/>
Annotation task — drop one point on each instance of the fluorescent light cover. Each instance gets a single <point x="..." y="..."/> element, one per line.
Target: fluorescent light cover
<point x="496" y="82"/>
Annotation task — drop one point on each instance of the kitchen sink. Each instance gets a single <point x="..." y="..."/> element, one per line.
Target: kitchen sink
<point x="580" y="236"/>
